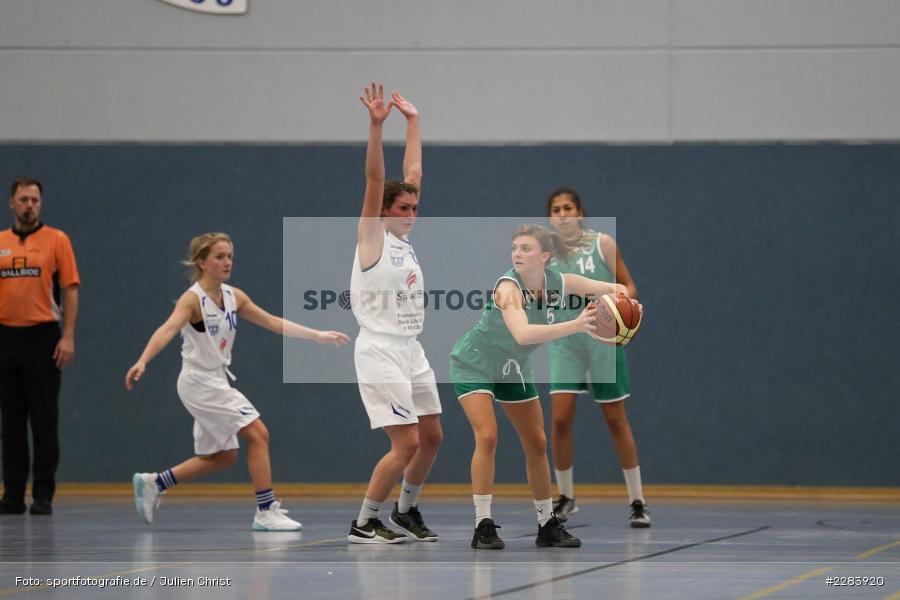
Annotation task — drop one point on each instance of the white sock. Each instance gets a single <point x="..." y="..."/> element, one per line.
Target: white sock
<point x="369" y="510"/>
<point x="482" y="507"/>
<point x="633" y="483"/>
<point x="565" y="480"/>
<point x="409" y="496"/>
<point x="544" y="509"/>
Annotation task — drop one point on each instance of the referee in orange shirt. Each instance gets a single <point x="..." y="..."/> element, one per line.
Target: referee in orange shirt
<point x="36" y="264"/>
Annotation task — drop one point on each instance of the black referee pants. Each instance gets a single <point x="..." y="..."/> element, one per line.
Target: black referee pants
<point x="29" y="393"/>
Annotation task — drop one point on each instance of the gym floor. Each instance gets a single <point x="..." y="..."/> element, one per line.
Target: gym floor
<point x="204" y="547"/>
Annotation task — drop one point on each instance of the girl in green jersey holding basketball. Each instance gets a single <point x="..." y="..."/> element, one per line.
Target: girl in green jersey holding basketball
<point x="492" y="362"/>
<point x="597" y="258"/>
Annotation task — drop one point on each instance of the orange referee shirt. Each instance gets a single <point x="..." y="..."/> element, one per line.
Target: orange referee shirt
<point x="28" y="270"/>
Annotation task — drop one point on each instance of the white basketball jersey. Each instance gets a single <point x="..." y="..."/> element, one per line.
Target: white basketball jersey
<point x="211" y="349"/>
<point x="389" y="297"/>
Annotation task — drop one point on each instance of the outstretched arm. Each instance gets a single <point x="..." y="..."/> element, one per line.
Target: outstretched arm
<point x="180" y="317"/>
<point x="508" y="298"/>
<point x="370" y="232"/>
<point x="412" y="157"/>
<point x="246" y="309"/>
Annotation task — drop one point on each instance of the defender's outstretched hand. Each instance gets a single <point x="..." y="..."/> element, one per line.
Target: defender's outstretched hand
<point x="374" y="101"/>
<point x="403" y="105"/>
<point x="334" y="338"/>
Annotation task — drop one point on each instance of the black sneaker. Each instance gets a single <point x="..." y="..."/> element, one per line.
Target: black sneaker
<point x="563" y="507"/>
<point x="486" y="538"/>
<point x="552" y="533"/>
<point x="640" y="516"/>
<point x="411" y="522"/>
<point x="8" y="507"/>
<point x="374" y="532"/>
<point x="41" y="507"/>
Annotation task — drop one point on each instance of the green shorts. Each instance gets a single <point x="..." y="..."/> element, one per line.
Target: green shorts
<point x="507" y="379"/>
<point x="572" y="357"/>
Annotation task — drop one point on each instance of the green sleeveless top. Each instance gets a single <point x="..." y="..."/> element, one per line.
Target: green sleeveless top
<point x="586" y="261"/>
<point x="490" y="336"/>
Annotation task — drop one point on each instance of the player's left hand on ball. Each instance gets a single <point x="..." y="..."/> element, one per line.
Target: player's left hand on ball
<point x="335" y="338"/>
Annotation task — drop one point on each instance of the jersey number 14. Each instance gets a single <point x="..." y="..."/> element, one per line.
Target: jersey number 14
<point x="586" y="264"/>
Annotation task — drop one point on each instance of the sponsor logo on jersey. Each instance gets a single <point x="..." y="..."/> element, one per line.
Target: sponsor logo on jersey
<point x="20" y="268"/>
<point x="212" y="7"/>
<point x="213" y="329"/>
<point x="397" y="255"/>
<point x="5" y="252"/>
<point x="552" y="297"/>
<point x="411" y="279"/>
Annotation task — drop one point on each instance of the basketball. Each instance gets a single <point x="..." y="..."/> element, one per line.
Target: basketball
<point x="618" y="319"/>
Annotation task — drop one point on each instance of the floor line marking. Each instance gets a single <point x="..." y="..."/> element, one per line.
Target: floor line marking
<point x="618" y="563"/>
<point x="869" y="553"/>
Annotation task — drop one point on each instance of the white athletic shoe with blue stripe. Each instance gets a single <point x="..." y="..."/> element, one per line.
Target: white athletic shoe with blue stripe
<point x="146" y="495"/>
<point x="274" y="519"/>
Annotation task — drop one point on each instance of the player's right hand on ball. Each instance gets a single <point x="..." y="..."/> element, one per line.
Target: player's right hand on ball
<point x="134" y="375"/>
<point x="587" y="320"/>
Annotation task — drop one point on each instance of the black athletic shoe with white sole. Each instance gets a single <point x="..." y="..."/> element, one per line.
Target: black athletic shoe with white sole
<point x="374" y="532"/>
<point x="553" y="534"/>
<point x="412" y="524"/>
<point x="486" y="537"/>
<point x="563" y="507"/>
<point x="640" y="516"/>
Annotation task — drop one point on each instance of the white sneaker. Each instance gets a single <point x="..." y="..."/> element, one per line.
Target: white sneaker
<point x="146" y="495"/>
<point x="274" y="519"/>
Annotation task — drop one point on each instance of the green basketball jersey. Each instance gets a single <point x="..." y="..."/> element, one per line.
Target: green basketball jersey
<point x="490" y="336"/>
<point x="586" y="261"/>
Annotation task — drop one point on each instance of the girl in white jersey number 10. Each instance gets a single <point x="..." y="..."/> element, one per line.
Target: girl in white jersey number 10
<point x="206" y="315"/>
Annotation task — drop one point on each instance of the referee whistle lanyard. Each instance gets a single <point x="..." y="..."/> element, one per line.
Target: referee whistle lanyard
<point x="513" y="363"/>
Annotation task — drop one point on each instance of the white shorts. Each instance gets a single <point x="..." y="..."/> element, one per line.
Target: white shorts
<point x="396" y="383"/>
<point x="219" y="410"/>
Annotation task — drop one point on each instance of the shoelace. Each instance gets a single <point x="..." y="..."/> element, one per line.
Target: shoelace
<point x="490" y="529"/>
<point x="416" y="517"/>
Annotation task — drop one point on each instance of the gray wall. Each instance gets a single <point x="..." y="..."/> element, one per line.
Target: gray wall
<point x="503" y="71"/>
<point x="770" y="356"/>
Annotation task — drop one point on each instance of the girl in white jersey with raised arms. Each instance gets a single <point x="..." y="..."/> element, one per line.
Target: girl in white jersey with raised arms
<point x="387" y="293"/>
<point x="206" y="316"/>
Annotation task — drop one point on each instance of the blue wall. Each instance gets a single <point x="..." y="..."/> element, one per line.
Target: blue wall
<point x="770" y="355"/>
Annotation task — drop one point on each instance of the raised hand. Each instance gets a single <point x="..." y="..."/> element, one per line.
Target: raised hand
<point x="403" y="105"/>
<point x="374" y="101"/>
